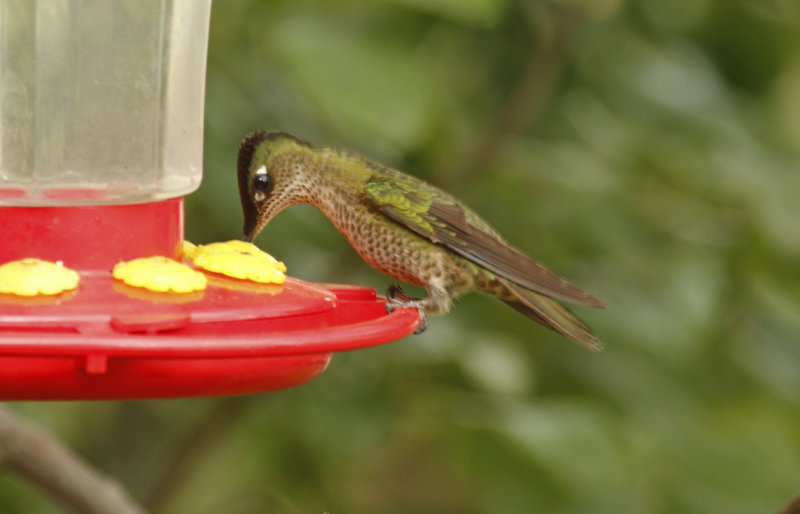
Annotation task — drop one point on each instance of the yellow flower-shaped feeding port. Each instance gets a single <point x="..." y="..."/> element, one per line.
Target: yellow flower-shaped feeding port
<point x="237" y="259"/>
<point x="32" y="277"/>
<point x="160" y="274"/>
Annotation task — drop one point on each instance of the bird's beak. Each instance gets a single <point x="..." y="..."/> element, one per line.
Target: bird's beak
<point x="250" y="232"/>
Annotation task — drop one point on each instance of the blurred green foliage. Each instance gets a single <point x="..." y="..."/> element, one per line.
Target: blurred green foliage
<point x="646" y="149"/>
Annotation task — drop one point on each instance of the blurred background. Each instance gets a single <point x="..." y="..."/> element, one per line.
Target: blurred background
<point x="645" y="149"/>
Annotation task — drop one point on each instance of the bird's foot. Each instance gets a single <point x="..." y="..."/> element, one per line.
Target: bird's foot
<point x="397" y="298"/>
<point x="396" y="293"/>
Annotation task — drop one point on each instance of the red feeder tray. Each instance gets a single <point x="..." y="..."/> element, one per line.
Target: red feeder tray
<point x="107" y="340"/>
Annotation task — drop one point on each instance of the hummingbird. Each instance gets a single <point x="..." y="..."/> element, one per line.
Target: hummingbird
<point x="405" y="228"/>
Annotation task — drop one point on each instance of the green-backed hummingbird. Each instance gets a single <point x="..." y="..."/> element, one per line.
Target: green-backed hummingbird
<point x="404" y="227"/>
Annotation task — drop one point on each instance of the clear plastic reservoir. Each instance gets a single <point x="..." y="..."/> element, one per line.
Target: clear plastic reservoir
<point x="101" y="101"/>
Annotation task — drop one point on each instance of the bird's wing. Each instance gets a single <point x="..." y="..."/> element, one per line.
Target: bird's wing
<point x="437" y="216"/>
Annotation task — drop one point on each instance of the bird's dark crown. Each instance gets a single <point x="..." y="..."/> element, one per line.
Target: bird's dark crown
<point x="251" y="142"/>
<point x="246" y="151"/>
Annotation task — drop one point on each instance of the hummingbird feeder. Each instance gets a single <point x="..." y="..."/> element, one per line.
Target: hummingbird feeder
<point x="101" y="126"/>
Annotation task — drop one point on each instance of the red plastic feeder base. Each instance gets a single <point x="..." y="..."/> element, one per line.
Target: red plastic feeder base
<point x="107" y="340"/>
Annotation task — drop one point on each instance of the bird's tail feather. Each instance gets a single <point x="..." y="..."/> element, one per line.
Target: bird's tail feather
<point x="551" y="314"/>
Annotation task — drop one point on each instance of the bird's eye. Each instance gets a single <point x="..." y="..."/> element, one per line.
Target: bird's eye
<point x="262" y="183"/>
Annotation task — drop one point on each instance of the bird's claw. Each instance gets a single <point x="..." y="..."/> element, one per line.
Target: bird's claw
<point x="395" y="293"/>
<point x="399" y="299"/>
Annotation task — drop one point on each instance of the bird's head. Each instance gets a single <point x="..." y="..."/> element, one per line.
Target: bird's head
<point x="272" y="169"/>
